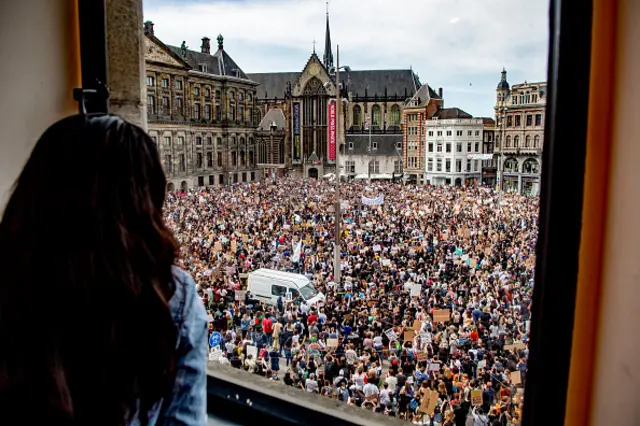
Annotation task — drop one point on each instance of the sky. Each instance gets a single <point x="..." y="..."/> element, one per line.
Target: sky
<point x="459" y="45"/>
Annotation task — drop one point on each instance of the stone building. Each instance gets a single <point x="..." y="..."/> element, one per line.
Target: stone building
<point x="417" y="110"/>
<point x="376" y="156"/>
<point x="520" y="117"/>
<point x="452" y="135"/>
<point x="305" y="99"/>
<point x="201" y="110"/>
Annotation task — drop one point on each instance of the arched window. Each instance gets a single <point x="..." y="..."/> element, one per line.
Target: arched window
<point x="241" y="141"/>
<point x="497" y="141"/>
<point x="251" y="159"/>
<point x="243" y="160"/>
<point x="395" y="115"/>
<point x="516" y="141"/>
<point x="536" y="141"/>
<point x="530" y="166"/>
<point x="527" y="141"/>
<point x="376" y="115"/>
<point x="357" y="115"/>
<point x="511" y="165"/>
<point x="508" y="141"/>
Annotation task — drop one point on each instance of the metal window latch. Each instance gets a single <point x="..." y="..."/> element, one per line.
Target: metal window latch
<point x="80" y="95"/>
<point x="92" y="100"/>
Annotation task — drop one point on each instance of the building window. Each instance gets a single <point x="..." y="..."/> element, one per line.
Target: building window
<point x="508" y="142"/>
<point x="179" y="106"/>
<point x="209" y="159"/>
<point x="448" y="147"/>
<point x="196" y="111"/>
<point x="183" y="164"/>
<point x="448" y="132"/>
<point x="167" y="141"/>
<point x="534" y="98"/>
<point x="529" y="120"/>
<point x="475" y="165"/>
<point x="198" y="141"/>
<point x="207" y="112"/>
<point x="243" y="159"/>
<point x="439" y="132"/>
<point x="538" y="119"/>
<point x="518" y="123"/>
<point x="399" y="146"/>
<point x="530" y="166"/>
<point x="212" y="180"/>
<point x="430" y="165"/>
<point x="477" y="132"/>
<point x="469" y="133"/>
<point x="468" y="165"/>
<point x="219" y="159"/>
<point x="430" y="132"/>
<point x="397" y="166"/>
<point x="458" y="147"/>
<point x="165" y="104"/>
<point x="234" y="159"/>
<point x="510" y="121"/>
<point x="477" y="147"/>
<point x="180" y="142"/>
<point x="527" y="141"/>
<point x="447" y="165"/>
<point x="516" y="141"/>
<point x="151" y="81"/>
<point x="468" y="146"/>
<point x="395" y="115"/>
<point x="196" y="91"/>
<point x="253" y="176"/>
<point x="350" y="166"/>
<point x="252" y="158"/>
<point x="235" y="178"/>
<point x="199" y="160"/>
<point x="376" y="112"/>
<point x="151" y="104"/>
<point x="209" y="141"/>
<point x="430" y="147"/>
<point x="168" y="165"/>
<point x="439" y="147"/>
<point x="207" y="93"/>
<point x="357" y="115"/>
<point x="233" y="113"/>
<point x="536" y="141"/>
<point x="165" y="83"/>
<point x="179" y="84"/>
<point x="374" y="145"/>
<point x="458" y="166"/>
<point x="439" y="165"/>
<point x="218" y="112"/>
<point x="458" y="132"/>
<point x="350" y="146"/>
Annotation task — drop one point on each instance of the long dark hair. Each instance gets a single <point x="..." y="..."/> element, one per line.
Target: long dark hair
<point x="86" y="333"/>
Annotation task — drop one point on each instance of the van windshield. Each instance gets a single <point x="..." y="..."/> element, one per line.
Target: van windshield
<point x="308" y="291"/>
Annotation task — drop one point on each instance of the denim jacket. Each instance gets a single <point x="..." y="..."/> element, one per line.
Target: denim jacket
<point x="187" y="405"/>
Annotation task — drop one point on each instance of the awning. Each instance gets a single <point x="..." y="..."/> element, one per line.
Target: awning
<point x="381" y="176"/>
<point x="362" y="176"/>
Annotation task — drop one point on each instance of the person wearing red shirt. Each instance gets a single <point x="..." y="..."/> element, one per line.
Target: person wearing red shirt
<point x="267" y="326"/>
<point x="313" y="318"/>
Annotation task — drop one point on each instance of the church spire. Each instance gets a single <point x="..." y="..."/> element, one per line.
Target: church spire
<point x="327" y="58"/>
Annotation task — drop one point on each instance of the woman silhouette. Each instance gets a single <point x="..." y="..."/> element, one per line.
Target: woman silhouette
<point x="97" y="327"/>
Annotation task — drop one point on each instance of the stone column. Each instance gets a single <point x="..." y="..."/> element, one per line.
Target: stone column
<point x="126" y="60"/>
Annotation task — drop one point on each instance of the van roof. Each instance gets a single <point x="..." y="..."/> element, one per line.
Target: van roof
<point x="280" y="274"/>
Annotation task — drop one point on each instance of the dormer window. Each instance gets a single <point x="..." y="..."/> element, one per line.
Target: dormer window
<point x="203" y="67"/>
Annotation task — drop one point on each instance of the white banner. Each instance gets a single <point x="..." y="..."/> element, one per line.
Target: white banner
<point x="373" y="201"/>
<point x="296" y="252"/>
<point x="480" y="156"/>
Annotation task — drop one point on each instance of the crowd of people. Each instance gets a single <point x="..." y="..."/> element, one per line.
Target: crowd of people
<point x="430" y="320"/>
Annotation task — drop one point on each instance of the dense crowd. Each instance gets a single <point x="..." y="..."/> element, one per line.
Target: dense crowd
<point x="430" y="321"/>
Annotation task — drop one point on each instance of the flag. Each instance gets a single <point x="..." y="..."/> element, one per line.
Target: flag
<point x="296" y="252"/>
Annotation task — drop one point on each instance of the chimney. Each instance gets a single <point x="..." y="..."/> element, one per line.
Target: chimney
<point x="148" y="28"/>
<point x="440" y="92"/>
<point x="206" y="46"/>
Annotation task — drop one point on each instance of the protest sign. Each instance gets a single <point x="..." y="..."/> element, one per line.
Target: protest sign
<point x="421" y="356"/>
<point x="516" y="378"/>
<point x="417" y="326"/>
<point x="434" y="366"/>
<point x="252" y="350"/>
<point x="424" y="403"/>
<point x="391" y="334"/>
<point x="217" y="246"/>
<point x="234" y="246"/>
<point x="441" y="315"/>
<point x="415" y="290"/>
<point x="482" y="363"/>
<point x="476" y="398"/>
<point x="240" y="295"/>
<point x="215" y="354"/>
<point x="426" y="338"/>
<point x="409" y="335"/>
<point x="332" y="343"/>
<point x="433" y="402"/>
<point x="245" y="238"/>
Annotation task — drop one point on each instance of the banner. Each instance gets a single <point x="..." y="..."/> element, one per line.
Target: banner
<point x="297" y="252"/>
<point x="373" y="201"/>
<point x="479" y="156"/>
<point x="297" y="143"/>
<point x="331" y="135"/>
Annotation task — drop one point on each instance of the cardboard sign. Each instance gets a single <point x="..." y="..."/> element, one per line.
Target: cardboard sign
<point x="417" y="326"/>
<point x="409" y="335"/>
<point x="441" y="315"/>
<point x="421" y="356"/>
<point x="424" y="403"/>
<point x="215" y="354"/>
<point x="515" y="347"/>
<point x="332" y="343"/>
<point x="217" y="246"/>
<point x="234" y="246"/>
<point x="434" y="366"/>
<point x="245" y="238"/>
<point x="433" y="402"/>
<point x="516" y="378"/>
<point x="476" y="397"/>
<point x="252" y="350"/>
<point x="372" y="302"/>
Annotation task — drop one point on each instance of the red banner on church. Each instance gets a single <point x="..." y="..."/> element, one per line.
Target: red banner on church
<point x="332" y="130"/>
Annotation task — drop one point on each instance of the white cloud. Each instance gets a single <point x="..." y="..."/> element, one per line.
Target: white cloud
<point x="277" y="35"/>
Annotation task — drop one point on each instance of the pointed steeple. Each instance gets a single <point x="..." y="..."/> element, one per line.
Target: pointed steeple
<point x="327" y="58"/>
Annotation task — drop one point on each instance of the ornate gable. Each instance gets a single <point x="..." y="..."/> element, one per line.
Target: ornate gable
<point x="155" y="51"/>
<point x="314" y="75"/>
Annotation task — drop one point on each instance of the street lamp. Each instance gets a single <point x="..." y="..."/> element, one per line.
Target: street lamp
<point x="502" y="122"/>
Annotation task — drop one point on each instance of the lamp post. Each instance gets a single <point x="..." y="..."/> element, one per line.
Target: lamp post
<point x="502" y="118"/>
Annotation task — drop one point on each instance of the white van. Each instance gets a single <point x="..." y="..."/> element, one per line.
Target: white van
<point x="267" y="285"/>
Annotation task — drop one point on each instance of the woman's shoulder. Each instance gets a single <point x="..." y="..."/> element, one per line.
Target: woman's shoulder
<point x="183" y="301"/>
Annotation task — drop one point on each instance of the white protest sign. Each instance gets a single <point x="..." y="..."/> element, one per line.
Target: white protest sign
<point x="415" y="290"/>
<point x="391" y="334"/>
<point x="252" y="350"/>
<point x="215" y="354"/>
